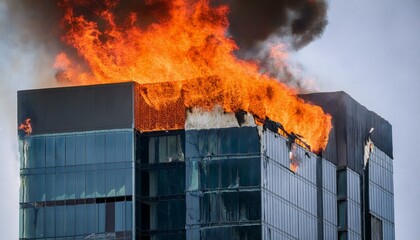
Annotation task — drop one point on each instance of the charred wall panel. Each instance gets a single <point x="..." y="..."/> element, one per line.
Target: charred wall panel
<point x="351" y="125"/>
<point x="71" y="109"/>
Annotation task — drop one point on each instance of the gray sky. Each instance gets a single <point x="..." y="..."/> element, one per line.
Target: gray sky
<point x="370" y="49"/>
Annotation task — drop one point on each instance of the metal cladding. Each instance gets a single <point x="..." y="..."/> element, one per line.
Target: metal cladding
<point x="351" y="125"/>
<point x="69" y="109"/>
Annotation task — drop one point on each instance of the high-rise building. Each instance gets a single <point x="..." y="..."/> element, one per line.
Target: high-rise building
<point x="100" y="163"/>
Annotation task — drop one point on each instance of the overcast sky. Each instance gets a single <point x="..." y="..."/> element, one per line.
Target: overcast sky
<point x="370" y="49"/>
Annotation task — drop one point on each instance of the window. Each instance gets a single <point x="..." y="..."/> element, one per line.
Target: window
<point x="342" y="214"/>
<point x="165" y="149"/>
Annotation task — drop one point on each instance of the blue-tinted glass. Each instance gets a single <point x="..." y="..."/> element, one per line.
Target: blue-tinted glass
<point x="121" y="146"/>
<point x="29" y="152"/>
<point x="110" y="183"/>
<point x="100" y="184"/>
<point x="101" y="217"/>
<point x="80" y="149"/>
<point x="31" y="188"/>
<point x="90" y="184"/>
<point x="342" y="214"/>
<point x="49" y="222"/>
<point x="50" y="152"/>
<point x="128" y="216"/>
<point x="119" y="216"/>
<point x="25" y="188"/>
<point x="29" y="223"/>
<point x="70" y="220"/>
<point x="110" y="148"/>
<point x="254" y="142"/>
<point x="100" y="148"/>
<point x="80" y="219"/>
<point x="60" y="186"/>
<point x="91" y="218"/>
<point x="70" y="150"/>
<point x="233" y="140"/>
<point x="90" y="148"/>
<point x="60" y="151"/>
<point x="71" y="186"/>
<point x="50" y="187"/>
<point x="191" y="140"/>
<point x="243" y="142"/>
<point x="129" y="144"/>
<point x="39" y="188"/>
<point x="129" y="182"/>
<point x="80" y="184"/>
<point x="60" y="220"/>
<point x="120" y="182"/>
<point x="40" y="153"/>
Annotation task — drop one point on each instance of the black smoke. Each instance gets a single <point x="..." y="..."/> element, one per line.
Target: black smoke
<point x="251" y="21"/>
<point x="254" y="21"/>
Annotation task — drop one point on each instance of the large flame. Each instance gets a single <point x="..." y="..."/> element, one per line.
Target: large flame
<point x="187" y="55"/>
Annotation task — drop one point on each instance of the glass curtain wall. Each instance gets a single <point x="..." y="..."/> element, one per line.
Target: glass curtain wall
<point x="77" y="185"/>
<point x="160" y="184"/>
<point x="223" y="184"/>
<point x="381" y="195"/>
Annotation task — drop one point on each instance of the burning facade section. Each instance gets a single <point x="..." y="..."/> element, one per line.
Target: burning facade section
<point x="102" y="163"/>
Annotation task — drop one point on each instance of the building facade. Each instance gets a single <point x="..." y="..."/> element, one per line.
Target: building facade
<point x="100" y="164"/>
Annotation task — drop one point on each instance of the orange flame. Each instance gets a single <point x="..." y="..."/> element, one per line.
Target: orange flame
<point x="26" y="127"/>
<point x="189" y="57"/>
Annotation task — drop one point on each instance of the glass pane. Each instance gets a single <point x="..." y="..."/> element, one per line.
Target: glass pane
<point x="60" y="150"/>
<point x="50" y="152"/>
<point x="90" y="148"/>
<point x="342" y="214"/>
<point x="80" y="185"/>
<point x="40" y="153"/>
<point x="119" y="216"/>
<point x="110" y="147"/>
<point x="80" y="219"/>
<point x="49" y="222"/>
<point x="91" y="218"/>
<point x="342" y="183"/>
<point x="90" y="184"/>
<point x="71" y="186"/>
<point x="70" y="220"/>
<point x="29" y="223"/>
<point x="152" y="149"/>
<point x="120" y="182"/>
<point x="129" y="182"/>
<point x="110" y="217"/>
<point x="60" y="220"/>
<point x="39" y="188"/>
<point x="29" y="152"/>
<point x="120" y="147"/>
<point x="60" y="186"/>
<point x="40" y="218"/>
<point x="100" y="184"/>
<point x="129" y="144"/>
<point x="80" y="149"/>
<point x="110" y="183"/>
<point x="163" y="149"/>
<point x="101" y="217"/>
<point x="99" y="148"/>
<point x="128" y="216"/>
<point x="70" y="150"/>
<point x="50" y="187"/>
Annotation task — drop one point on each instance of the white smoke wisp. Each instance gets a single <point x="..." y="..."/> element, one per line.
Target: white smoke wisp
<point x="23" y="65"/>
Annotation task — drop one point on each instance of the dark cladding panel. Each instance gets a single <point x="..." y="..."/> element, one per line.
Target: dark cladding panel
<point x="83" y="108"/>
<point x="351" y="125"/>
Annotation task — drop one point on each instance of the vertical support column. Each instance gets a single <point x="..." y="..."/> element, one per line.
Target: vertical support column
<point x="320" y="200"/>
